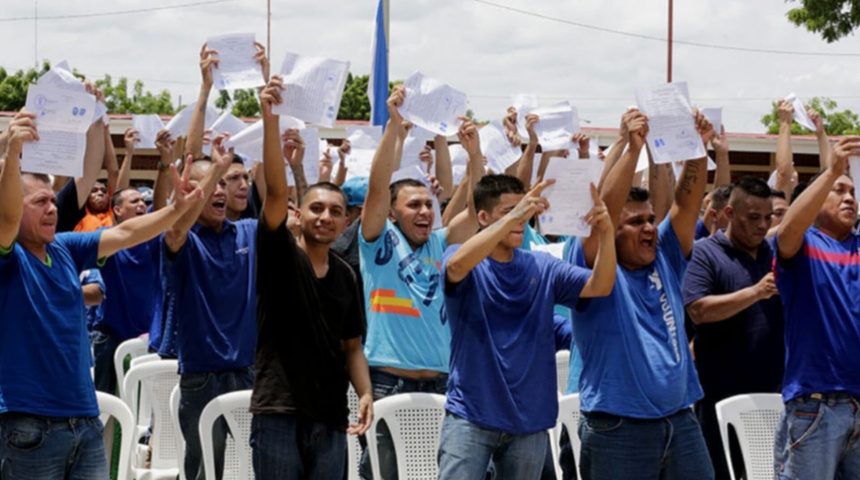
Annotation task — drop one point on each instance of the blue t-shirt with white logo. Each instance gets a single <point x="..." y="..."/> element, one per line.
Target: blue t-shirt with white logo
<point x="819" y="290"/>
<point x="503" y="373"/>
<point x="404" y="301"/>
<point x="215" y="292"/>
<point x="636" y="361"/>
<point x="44" y="346"/>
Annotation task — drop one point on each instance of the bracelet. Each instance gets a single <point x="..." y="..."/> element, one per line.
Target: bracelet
<point x="162" y="168"/>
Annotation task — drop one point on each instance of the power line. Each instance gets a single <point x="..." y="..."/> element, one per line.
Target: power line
<point x="661" y="39"/>
<point x="119" y="12"/>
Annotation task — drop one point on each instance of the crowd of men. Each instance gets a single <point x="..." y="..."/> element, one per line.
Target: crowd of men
<point x="676" y="300"/>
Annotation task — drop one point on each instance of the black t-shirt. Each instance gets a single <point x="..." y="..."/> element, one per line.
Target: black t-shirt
<point x="301" y="320"/>
<point x="68" y="212"/>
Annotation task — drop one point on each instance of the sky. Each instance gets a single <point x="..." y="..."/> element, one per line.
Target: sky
<point x="488" y="51"/>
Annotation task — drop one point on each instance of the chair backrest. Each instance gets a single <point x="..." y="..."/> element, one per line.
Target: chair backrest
<point x="754" y="418"/>
<point x="112" y="406"/>
<point x="562" y="369"/>
<point x="157" y="381"/>
<point x="415" y="422"/>
<point x="353" y="447"/>
<point x="234" y="406"/>
<point x="568" y="415"/>
<point x="145" y="358"/>
<point x="175" y="396"/>
<point x="134" y="347"/>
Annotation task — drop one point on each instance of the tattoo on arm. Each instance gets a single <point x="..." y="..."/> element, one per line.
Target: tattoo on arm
<point x="690" y="176"/>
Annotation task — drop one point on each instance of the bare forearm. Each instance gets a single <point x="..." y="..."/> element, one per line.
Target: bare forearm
<point x="163" y="187"/>
<point x="111" y="165"/>
<point x="124" y="177"/>
<point x="194" y="141"/>
<point x="611" y="159"/>
<point x="716" y="308"/>
<point x="275" y="206"/>
<point x="476" y="249"/>
<point x="824" y="150"/>
<point x="444" y="171"/>
<point x="723" y="174"/>
<point x="137" y="230"/>
<point x="93" y="160"/>
<point x="11" y="198"/>
<point x="602" y="278"/>
<point x="526" y="165"/>
<point x="301" y="181"/>
<point x="802" y="212"/>
<point x="359" y="371"/>
<point x="661" y="183"/>
<point x="783" y="159"/>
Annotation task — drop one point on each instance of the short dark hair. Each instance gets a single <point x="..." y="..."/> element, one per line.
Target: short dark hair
<point x="38" y="176"/>
<point x="491" y="188"/>
<point x="720" y="196"/>
<point x="331" y="187"/>
<point x="638" y="194"/>
<point x="116" y="198"/>
<point x="752" y="186"/>
<point x="777" y="194"/>
<point x="395" y="187"/>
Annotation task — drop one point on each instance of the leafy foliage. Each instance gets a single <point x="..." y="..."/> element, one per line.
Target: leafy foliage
<point x="836" y="122"/>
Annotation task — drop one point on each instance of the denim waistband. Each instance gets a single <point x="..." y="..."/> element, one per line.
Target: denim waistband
<point x="829" y="398"/>
<point x="54" y="422"/>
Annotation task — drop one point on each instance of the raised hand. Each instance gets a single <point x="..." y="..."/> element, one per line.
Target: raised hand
<point x="468" y="135"/>
<point x="261" y="58"/>
<point x="326" y="166"/>
<point x="531" y="120"/>
<point x="598" y="216"/>
<point x="129" y="140"/>
<point x="185" y="192"/>
<point x="394" y="102"/>
<point x="221" y="157"/>
<point x="21" y="129"/>
<point x="846" y="147"/>
<point x="815" y="116"/>
<point x="531" y="204"/>
<point x="208" y="61"/>
<point x="635" y="123"/>
<point x="164" y="142"/>
<point x="426" y="157"/>
<point x="344" y="150"/>
<point x="271" y="95"/>
<point x="510" y="126"/>
<point x="720" y="141"/>
<point x="785" y="111"/>
<point x="582" y="142"/>
<point x="435" y="187"/>
<point x="703" y="126"/>
<point x="294" y="146"/>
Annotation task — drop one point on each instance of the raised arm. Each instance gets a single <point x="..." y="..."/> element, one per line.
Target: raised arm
<point x="342" y="151"/>
<point x="325" y="166"/>
<point x="444" y="170"/>
<point x="784" y="167"/>
<point x="602" y="278"/>
<point x="166" y="146"/>
<point x="21" y="129"/>
<point x="140" y="229"/>
<point x="824" y="148"/>
<point x="476" y="249"/>
<point x="294" y="153"/>
<point x="377" y="203"/>
<point x="194" y="139"/>
<point x="616" y="185"/>
<point x="124" y="176"/>
<point x="93" y="160"/>
<point x="275" y="207"/>
<point x="661" y="184"/>
<point x="110" y="163"/>
<point x="802" y="212"/>
<point x="525" y="166"/>
<point x="720" y="142"/>
<point x="464" y="225"/>
<point x="689" y="191"/>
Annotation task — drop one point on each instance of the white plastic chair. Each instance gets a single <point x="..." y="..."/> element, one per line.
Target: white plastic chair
<point x="155" y="381"/>
<point x="111" y="406"/>
<point x="415" y="422"/>
<point x="568" y="416"/>
<point x="562" y="369"/>
<point x="235" y="407"/>
<point x="134" y="347"/>
<point x="353" y="447"/>
<point x="175" y="396"/>
<point x="754" y="418"/>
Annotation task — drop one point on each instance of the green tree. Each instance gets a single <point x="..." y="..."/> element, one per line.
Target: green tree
<point x="355" y="105"/>
<point x="13" y="88"/>
<point x="832" y="19"/>
<point x="243" y="103"/>
<point x="471" y="116"/>
<point x="119" y="99"/>
<point x="835" y="122"/>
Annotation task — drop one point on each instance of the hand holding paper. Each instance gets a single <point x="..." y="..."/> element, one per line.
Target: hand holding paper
<point x="432" y="105"/>
<point x="570" y="198"/>
<point x="800" y="115"/>
<point x="238" y="65"/>
<point x="314" y="88"/>
<point x="672" y="130"/>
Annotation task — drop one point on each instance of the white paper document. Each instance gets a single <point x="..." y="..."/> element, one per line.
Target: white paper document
<point x="362" y="146"/>
<point x="237" y="67"/>
<point x="672" y="134"/>
<point x="715" y="116"/>
<point x="555" y="126"/>
<point x="61" y="76"/>
<point x="496" y="147"/>
<point x="311" y="159"/>
<point x="459" y="160"/>
<point x="227" y="123"/>
<point x="313" y="88"/>
<point x="415" y="173"/>
<point x="570" y="197"/>
<point x="62" y="120"/>
<point x="180" y="123"/>
<point x="433" y="105"/>
<point x="147" y="127"/>
<point x="800" y="115"/>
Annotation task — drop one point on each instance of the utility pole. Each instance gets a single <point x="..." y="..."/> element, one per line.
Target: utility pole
<point x="669" y="66"/>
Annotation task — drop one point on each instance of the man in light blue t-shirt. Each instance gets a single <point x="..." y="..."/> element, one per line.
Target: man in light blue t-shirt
<point x="49" y="425"/>
<point x="638" y="381"/>
<point x="502" y="393"/>
<point x="408" y="343"/>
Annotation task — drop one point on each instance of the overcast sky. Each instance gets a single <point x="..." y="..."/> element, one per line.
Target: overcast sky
<point x="487" y="51"/>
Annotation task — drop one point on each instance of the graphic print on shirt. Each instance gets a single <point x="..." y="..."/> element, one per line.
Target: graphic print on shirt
<point x="668" y="313"/>
<point x="409" y="269"/>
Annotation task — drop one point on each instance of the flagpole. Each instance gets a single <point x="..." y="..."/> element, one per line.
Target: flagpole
<point x="386" y="6"/>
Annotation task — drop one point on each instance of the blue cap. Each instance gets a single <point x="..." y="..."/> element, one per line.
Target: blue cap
<point x="355" y="190"/>
<point x="146" y="193"/>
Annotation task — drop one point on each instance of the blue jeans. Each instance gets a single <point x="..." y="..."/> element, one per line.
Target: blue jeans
<point x="817" y="438"/>
<point x="627" y="448"/>
<point x="290" y="447"/>
<point x="197" y="390"/>
<point x="465" y="450"/>
<point x="47" y="448"/>
<point x="385" y="385"/>
<point x="104" y="348"/>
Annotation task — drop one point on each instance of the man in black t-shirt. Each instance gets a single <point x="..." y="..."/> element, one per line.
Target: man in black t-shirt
<point x="310" y="322"/>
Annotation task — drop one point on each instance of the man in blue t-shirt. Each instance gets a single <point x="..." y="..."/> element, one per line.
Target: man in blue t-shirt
<point x="502" y="392"/>
<point x="818" y="277"/>
<point x="49" y="422"/>
<point x="408" y="344"/>
<point x="732" y="299"/>
<point x="638" y="381"/>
